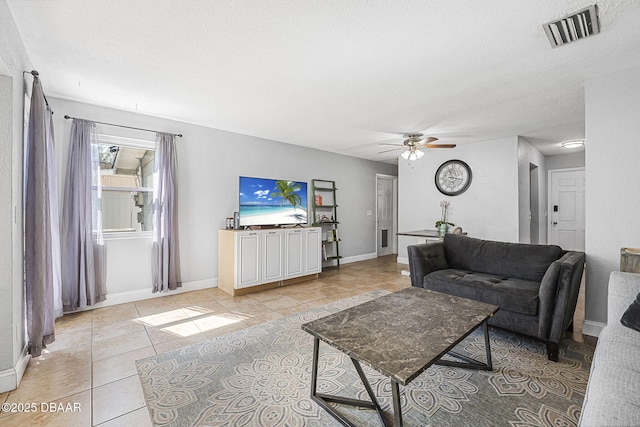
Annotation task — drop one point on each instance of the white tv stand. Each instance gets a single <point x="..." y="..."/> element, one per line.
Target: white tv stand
<point x="254" y="260"/>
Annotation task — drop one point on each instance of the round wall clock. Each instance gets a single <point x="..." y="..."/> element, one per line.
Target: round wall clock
<point x="453" y="177"/>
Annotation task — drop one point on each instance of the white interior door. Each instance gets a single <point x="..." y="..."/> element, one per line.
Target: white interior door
<point x="566" y="209"/>
<point x="385" y="215"/>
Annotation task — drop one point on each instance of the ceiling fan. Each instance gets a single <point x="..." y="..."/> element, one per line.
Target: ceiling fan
<point x="413" y="143"/>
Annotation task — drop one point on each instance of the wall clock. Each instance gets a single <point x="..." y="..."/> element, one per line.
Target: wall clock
<point x="453" y="177"/>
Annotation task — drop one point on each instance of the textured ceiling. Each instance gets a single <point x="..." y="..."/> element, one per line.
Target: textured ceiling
<point x="336" y="75"/>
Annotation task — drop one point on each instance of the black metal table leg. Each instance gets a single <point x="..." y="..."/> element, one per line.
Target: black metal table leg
<point x="367" y="386"/>
<point x="469" y="363"/>
<point x="318" y="398"/>
<point x="487" y="345"/>
<point x="314" y="367"/>
<point x="397" y="405"/>
<point x="324" y="399"/>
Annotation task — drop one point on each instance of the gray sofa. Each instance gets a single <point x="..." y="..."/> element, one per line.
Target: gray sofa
<point x="535" y="286"/>
<point x="613" y="391"/>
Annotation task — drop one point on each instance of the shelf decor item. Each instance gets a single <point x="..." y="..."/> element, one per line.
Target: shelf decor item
<point x="442" y="226"/>
<point x="325" y="209"/>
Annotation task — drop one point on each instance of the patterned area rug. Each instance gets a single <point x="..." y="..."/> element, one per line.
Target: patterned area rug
<point x="260" y="376"/>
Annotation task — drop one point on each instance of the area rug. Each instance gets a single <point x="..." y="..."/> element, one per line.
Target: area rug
<point x="260" y="376"/>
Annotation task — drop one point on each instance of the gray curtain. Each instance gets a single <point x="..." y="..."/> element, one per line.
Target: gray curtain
<point x="41" y="245"/>
<point x="165" y="260"/>
<point x="82" y="247"/>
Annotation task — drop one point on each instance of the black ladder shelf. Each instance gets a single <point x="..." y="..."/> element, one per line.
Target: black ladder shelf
<point x="325" y="215"/>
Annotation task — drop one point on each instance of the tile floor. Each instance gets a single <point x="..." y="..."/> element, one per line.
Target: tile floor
<point x="91" y="363"/>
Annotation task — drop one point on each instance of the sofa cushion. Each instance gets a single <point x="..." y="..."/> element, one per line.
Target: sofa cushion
<point x="518" y="260"/>
<point x="631" y="317"/>
<point x="508" y="293"/>
<point x="612" y="397"/>
<point x="620" y="346"/>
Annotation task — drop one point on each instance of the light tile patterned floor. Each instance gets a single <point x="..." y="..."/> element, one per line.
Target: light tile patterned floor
<point x="92" y="361"/>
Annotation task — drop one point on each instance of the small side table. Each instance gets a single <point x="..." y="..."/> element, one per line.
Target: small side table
<point x="630" y="260"/>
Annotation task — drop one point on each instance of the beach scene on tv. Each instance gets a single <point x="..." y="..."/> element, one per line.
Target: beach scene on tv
<point x="272" y="202"/>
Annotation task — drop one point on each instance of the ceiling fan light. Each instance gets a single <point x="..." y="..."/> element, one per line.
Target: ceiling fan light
<point x="405" y="154"/>
<point x="413" y="156"/>
<point x="420" y="154"/>
<point x="575" y="143"/>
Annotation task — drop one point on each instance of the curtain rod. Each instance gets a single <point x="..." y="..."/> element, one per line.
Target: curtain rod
<point x="123" y="126"/>
<point x="36" y="75"/>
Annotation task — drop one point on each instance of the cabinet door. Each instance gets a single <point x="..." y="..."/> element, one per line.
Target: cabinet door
<point x="272" y="251"/>
<point x="294" y="259"/>
<point x="313" y="252"/>
<point x="248" y="259"/>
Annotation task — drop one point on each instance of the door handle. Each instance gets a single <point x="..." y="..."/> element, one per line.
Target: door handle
<point x="555" y="223"/>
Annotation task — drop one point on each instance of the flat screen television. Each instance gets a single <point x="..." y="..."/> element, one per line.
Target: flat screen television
<point x="272" y="202"/>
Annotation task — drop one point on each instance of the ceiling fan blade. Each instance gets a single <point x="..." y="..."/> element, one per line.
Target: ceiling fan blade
<point x="395" y="145"/>
<point x="387" y="151"/>
<point x="431" y="139"/>
<point x="440" y="145"/>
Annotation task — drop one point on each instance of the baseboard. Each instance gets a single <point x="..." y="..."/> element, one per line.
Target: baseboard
<point x="356" y="258"/>
<point x="402" y="260"/>
<point x="10" y="378"/>
<point x="142" y="294"/>
<point x="591" y="328"/>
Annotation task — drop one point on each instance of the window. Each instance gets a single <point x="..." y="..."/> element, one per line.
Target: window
<point x="126" y="174"/>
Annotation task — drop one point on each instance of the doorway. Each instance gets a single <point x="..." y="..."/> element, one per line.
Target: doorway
<point x="386" y="202"/>
<point x="566" y="208"/>
<point x="534" y="210"/>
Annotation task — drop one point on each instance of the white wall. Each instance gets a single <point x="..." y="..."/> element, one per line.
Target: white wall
<point x="565" y="161"/>
<point x="613" y="177"/>
<point x="13" y="60"/>
<point x="528" y="155"/>
<point x="487" y="210"/>
<point x="209" y="164"/>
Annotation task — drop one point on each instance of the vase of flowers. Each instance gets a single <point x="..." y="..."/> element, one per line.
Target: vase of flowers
<point x="443" y="225"/>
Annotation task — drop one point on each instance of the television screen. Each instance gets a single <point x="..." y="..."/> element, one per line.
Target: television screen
<point x="272" y="202"/>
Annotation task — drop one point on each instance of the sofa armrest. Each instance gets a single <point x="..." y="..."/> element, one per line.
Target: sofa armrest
<point x="425" y="258"/>
<point x="558" y="298"/>
<point x="623" y="289"/>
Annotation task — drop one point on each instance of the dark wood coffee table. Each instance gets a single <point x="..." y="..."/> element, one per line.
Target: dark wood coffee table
<point x="399" y="335"/>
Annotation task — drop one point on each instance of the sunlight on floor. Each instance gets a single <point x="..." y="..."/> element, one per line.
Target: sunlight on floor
<point x="172" y="316"/>
<point x="189" y="321"/>
<point x="216" y="321"/>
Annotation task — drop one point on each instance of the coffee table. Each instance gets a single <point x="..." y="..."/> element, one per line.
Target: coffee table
<point x="399" y="335"/>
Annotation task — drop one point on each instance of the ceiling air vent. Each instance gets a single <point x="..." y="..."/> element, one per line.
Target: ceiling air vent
<point x="576" y="26"/>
